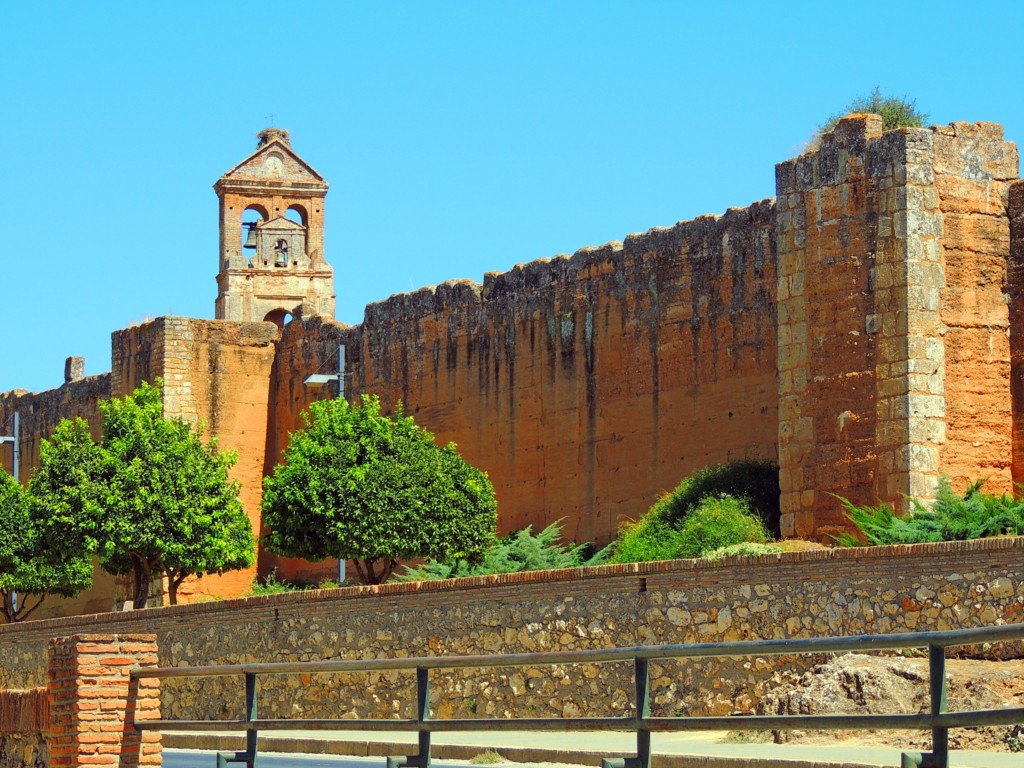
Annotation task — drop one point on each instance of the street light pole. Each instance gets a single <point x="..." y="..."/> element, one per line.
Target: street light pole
<point x="318" y="380"/>
<point x="14" y="441"/>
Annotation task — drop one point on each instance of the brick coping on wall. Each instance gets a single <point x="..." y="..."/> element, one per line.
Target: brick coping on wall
<point x="95" y="622"/>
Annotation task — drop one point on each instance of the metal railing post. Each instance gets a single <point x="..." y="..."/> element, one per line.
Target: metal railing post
<point x="643" y="711"/>
<point x="937" y="686"/>
<point x="250" y="715"/>
<point x="421" y="760"/>
<point x="423" y="714"/>
<point x="249" y="755"/>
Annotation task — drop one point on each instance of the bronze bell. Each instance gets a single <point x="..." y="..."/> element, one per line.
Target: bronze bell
<point x="250" y="239"/>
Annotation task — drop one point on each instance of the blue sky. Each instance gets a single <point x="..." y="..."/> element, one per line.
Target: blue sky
<point x="458" y="137"/>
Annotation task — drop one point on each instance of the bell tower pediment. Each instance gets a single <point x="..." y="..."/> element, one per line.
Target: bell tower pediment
<point x="271" y="235"/>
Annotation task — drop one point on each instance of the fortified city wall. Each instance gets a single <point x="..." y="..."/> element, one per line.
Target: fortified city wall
<point x="860" y="330"/>
<point x="586" y="386"/>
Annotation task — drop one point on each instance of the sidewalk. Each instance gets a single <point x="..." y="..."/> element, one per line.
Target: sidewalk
<point x="671" y="750"/>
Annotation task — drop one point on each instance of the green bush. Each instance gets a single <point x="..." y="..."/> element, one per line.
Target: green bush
<point x="951" y="517"/>
<point x="743" y="549"/>
<point x="519" y="551"/>
<point x="649" y="538"/>
<point x="895" y="112"/>
<point x="719" y="521"/>
<point x="756" y="482"/>
<point x="716" y="522"/>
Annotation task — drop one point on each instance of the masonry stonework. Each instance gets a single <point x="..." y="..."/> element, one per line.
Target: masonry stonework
<point x="894" y="332"/>
<point x="864" y="329"/>
<point x="821" y="593"/>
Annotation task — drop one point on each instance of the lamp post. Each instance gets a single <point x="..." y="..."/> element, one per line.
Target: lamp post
<point x="13" y="440"/>
<point x="315" y="381"/>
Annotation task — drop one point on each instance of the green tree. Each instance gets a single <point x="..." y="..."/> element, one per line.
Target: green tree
<point x="358" y="485"/>
<point x="151" y="499"/>
<point x="27" y="573"/>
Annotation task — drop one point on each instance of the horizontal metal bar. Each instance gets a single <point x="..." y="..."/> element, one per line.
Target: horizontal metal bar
<point x="978" y="717"/>
<point x="625" y="724"/>
<point x="859" y="643"/>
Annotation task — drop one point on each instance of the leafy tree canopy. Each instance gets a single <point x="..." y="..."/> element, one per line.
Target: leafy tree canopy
<point x="358" y="485"/>
<point x="151" y="499"/>
<point x="27" y="575"/>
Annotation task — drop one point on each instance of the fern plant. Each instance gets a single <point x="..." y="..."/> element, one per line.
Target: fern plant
<point x="519" y="551"/>
<point x="951" y="517"/>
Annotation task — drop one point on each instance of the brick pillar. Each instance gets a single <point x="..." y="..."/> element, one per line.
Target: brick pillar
<point x="94" y="703"/>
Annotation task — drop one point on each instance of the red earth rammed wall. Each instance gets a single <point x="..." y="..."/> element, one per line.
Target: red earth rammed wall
<point x="585" y="386"/>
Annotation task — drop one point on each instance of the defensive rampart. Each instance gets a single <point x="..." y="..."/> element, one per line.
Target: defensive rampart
<point x="586" y="386"/>
<point x="820" y="593"/>
<point x="864" y="329"/>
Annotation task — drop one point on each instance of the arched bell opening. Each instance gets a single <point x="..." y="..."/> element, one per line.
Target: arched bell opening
<point x="298" y="214"/>
<point x="251" y="216"/>
<point x="279" y="317"/>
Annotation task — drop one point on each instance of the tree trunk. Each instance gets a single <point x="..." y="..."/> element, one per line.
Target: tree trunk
<point x="367" y="569"/>
<point x="7" y="606"/>
<point x="174" y="579"/>
<point x="143" y="573"/>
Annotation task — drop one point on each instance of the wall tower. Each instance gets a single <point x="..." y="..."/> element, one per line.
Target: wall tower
<point x="272" y="236"/>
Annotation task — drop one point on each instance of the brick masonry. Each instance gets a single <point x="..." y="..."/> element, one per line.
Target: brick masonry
<point x="94" y="703"/>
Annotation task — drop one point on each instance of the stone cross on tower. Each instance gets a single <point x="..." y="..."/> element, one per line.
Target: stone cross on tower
<point x="272" y="236"/>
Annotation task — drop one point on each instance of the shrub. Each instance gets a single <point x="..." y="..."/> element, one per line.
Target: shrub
<point x="895" y="113"/>
<point x="952" y="517"/>
<point x="716" y="522"/>
<point x="756" y="482"/>
<point x="363" y="486"/>
<point x="743" y="549"/>
<point x="719" y="521"/>
<point x="519" y="551"/>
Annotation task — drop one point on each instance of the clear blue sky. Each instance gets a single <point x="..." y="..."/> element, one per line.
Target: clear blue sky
<point x="458" y="137"/>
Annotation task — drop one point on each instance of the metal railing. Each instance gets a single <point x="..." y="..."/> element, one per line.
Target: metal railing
<point x="938" y="719"/>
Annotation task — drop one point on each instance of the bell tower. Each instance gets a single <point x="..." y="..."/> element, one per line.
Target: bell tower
<point x="272" y="236"/>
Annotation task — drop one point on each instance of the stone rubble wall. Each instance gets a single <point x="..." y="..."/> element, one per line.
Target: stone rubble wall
<point x="24" y="717"/>
<point x="820" y="593"/>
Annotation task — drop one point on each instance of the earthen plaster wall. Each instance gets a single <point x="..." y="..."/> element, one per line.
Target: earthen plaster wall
<point x="216" y="372"/>
<point x="585" y="386"/>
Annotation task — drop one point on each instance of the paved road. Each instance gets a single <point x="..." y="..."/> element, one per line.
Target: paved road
<point x="674" y="750"/>
<point x="188" y="758"/>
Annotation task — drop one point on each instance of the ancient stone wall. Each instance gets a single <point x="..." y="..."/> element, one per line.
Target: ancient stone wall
<point x="972" y="168"/>
<point x="893" y="324"/>
<point x="821" y="593"/>
<point x="40" y="412"/>
<point x="216" y="372"/>
<point x="24" y="718"/>
<point x="585" y="386"/>
<point x="1015" y="293"/>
